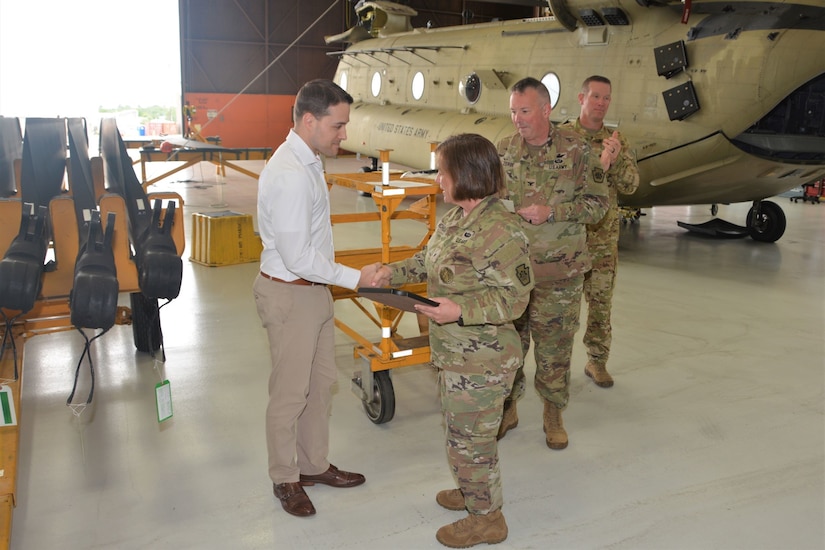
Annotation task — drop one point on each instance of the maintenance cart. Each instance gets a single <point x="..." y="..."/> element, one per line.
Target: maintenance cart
<point x="395" y="198"/>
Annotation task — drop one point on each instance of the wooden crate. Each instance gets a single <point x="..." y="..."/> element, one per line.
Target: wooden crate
<point x="224" y="238"/>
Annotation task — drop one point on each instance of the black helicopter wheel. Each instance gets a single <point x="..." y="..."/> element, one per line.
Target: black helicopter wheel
<point x="381" y="406"/>
<point x="766" y="222"/>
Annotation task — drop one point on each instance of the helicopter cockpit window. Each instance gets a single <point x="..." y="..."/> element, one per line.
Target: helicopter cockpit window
<point x="418" y="85"/>
<point x="376" y="84"/>
<point x="551" y="81"/>
<point x="343" y="81"/>
<point x="470" y="88"/>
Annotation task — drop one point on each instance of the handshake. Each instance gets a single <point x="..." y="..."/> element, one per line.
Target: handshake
<point x="375" y="275"/>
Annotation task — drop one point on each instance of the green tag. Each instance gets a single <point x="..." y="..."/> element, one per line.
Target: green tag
<point x="7" y="407"/>
<point x="163" y="398"/>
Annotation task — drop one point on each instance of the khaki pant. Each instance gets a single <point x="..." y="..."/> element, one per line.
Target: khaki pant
<point x="299" y="321"/>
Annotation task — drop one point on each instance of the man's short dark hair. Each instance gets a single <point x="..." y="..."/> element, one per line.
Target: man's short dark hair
<point x="317" y="96"/>
<point x="594" y="78"/>
<point x="473" y="164"/>
<point x="529" y="82"/>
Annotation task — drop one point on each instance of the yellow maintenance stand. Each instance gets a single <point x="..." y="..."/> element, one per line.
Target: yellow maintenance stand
<point x="395" y="198"/>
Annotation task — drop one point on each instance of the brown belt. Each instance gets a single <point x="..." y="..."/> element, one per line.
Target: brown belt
<point x="302" y="282"/>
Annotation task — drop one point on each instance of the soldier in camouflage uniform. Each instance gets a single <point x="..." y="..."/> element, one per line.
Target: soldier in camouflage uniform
<point x="557" y="187"/>
<point x="477" y="266"/>
<point x="603" y="237"/>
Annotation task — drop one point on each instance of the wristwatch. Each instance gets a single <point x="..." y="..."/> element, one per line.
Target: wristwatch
<point x="460" y="320"/>
<point x="552" y="217"/>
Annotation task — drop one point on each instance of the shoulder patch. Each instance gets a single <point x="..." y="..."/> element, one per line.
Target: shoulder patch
<point x="598" y="174"/>
<point x="523" y="274"/>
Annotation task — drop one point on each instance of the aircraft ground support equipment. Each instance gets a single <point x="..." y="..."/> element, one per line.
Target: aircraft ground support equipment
<point x="51" y="312"/>
<point x="190" y="152"/>
<point x="811" y="192"/>
<point x="410" y="199"/>
<point x="224" y="238"/>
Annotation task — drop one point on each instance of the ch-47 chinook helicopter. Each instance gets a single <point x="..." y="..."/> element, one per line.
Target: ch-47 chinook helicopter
<point x="723" y="101"/>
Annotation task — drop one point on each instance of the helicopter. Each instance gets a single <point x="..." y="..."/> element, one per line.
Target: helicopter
<point x="722" y="101"/>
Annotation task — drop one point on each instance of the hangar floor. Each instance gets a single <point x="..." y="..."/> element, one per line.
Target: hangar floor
<point x="712" y="437"/>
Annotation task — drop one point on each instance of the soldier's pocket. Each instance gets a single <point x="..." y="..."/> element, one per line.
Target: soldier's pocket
<point x="469" y="393"/>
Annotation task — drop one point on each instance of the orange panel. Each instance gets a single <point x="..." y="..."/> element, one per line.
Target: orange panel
<point x="249" y="121"/>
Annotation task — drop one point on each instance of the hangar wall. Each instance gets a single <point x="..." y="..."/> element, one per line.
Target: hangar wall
<point x="242" y="61"/>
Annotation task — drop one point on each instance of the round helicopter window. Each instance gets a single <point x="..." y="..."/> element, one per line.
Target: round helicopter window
<point x="553" y="85"/>
<point x="376" y="84"/>
<point x="343" y="81"/>
<point x="418" y="85"/>
<point x="470" y="88"/>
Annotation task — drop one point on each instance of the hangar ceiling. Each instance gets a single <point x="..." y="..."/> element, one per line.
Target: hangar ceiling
<point x="227" y="45"/>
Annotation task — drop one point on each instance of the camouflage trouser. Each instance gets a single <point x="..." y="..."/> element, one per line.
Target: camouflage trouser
<point x="598" y="289"/>
<point x="472" y="405"/>
<point x="552" y="319"/>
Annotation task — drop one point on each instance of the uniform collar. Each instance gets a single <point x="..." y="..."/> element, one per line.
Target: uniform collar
<point x="478" y="211"/>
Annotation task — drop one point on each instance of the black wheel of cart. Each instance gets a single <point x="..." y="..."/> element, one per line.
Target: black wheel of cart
<point x="145" y="322"/>
<point x="381" y="408"/>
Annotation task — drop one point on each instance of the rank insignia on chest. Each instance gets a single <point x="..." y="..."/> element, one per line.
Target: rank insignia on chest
<point x="523" y="274"/>
<point x="446" y="275"/>
<point x="464" y="237"/>
<point x="598" y="175"/>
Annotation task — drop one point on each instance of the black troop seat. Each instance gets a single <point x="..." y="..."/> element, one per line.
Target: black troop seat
<point x="41" y="178"/>
<point x="160" y="269"/>
<point x="21" y="268"/>
<point x="93" y="299"/>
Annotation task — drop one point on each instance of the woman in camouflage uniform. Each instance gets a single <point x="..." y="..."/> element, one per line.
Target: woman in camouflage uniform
<point x="477" y="266"/>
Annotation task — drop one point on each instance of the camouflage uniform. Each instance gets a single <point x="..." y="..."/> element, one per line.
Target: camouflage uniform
<point x="564" y="175"/>
<point x="482" y="263"/>
<point x="603" y="244"/>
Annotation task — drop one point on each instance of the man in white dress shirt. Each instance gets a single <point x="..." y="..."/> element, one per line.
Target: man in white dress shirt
<point x="293" y="298"/>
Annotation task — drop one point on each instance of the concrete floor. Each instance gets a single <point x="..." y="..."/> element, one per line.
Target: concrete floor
<point x="712" y="438"/>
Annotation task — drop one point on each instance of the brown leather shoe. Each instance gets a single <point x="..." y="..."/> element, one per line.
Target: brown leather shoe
<point x="334" y="478"/>
<point x="293" y="498"/>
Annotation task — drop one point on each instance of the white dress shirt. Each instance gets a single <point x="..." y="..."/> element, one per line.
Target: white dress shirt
<point x="294" y="218"/>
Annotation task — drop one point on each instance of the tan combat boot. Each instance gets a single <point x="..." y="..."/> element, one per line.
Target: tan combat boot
<point x="509" y="420"/>
<point x="474" y="529"/>
<point x="554" y="427"/>
<point x="599" y="374"/>
<point x="451" y="499"/>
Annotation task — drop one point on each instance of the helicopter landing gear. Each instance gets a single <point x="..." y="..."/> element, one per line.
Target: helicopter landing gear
<point x="766" y="222"/>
